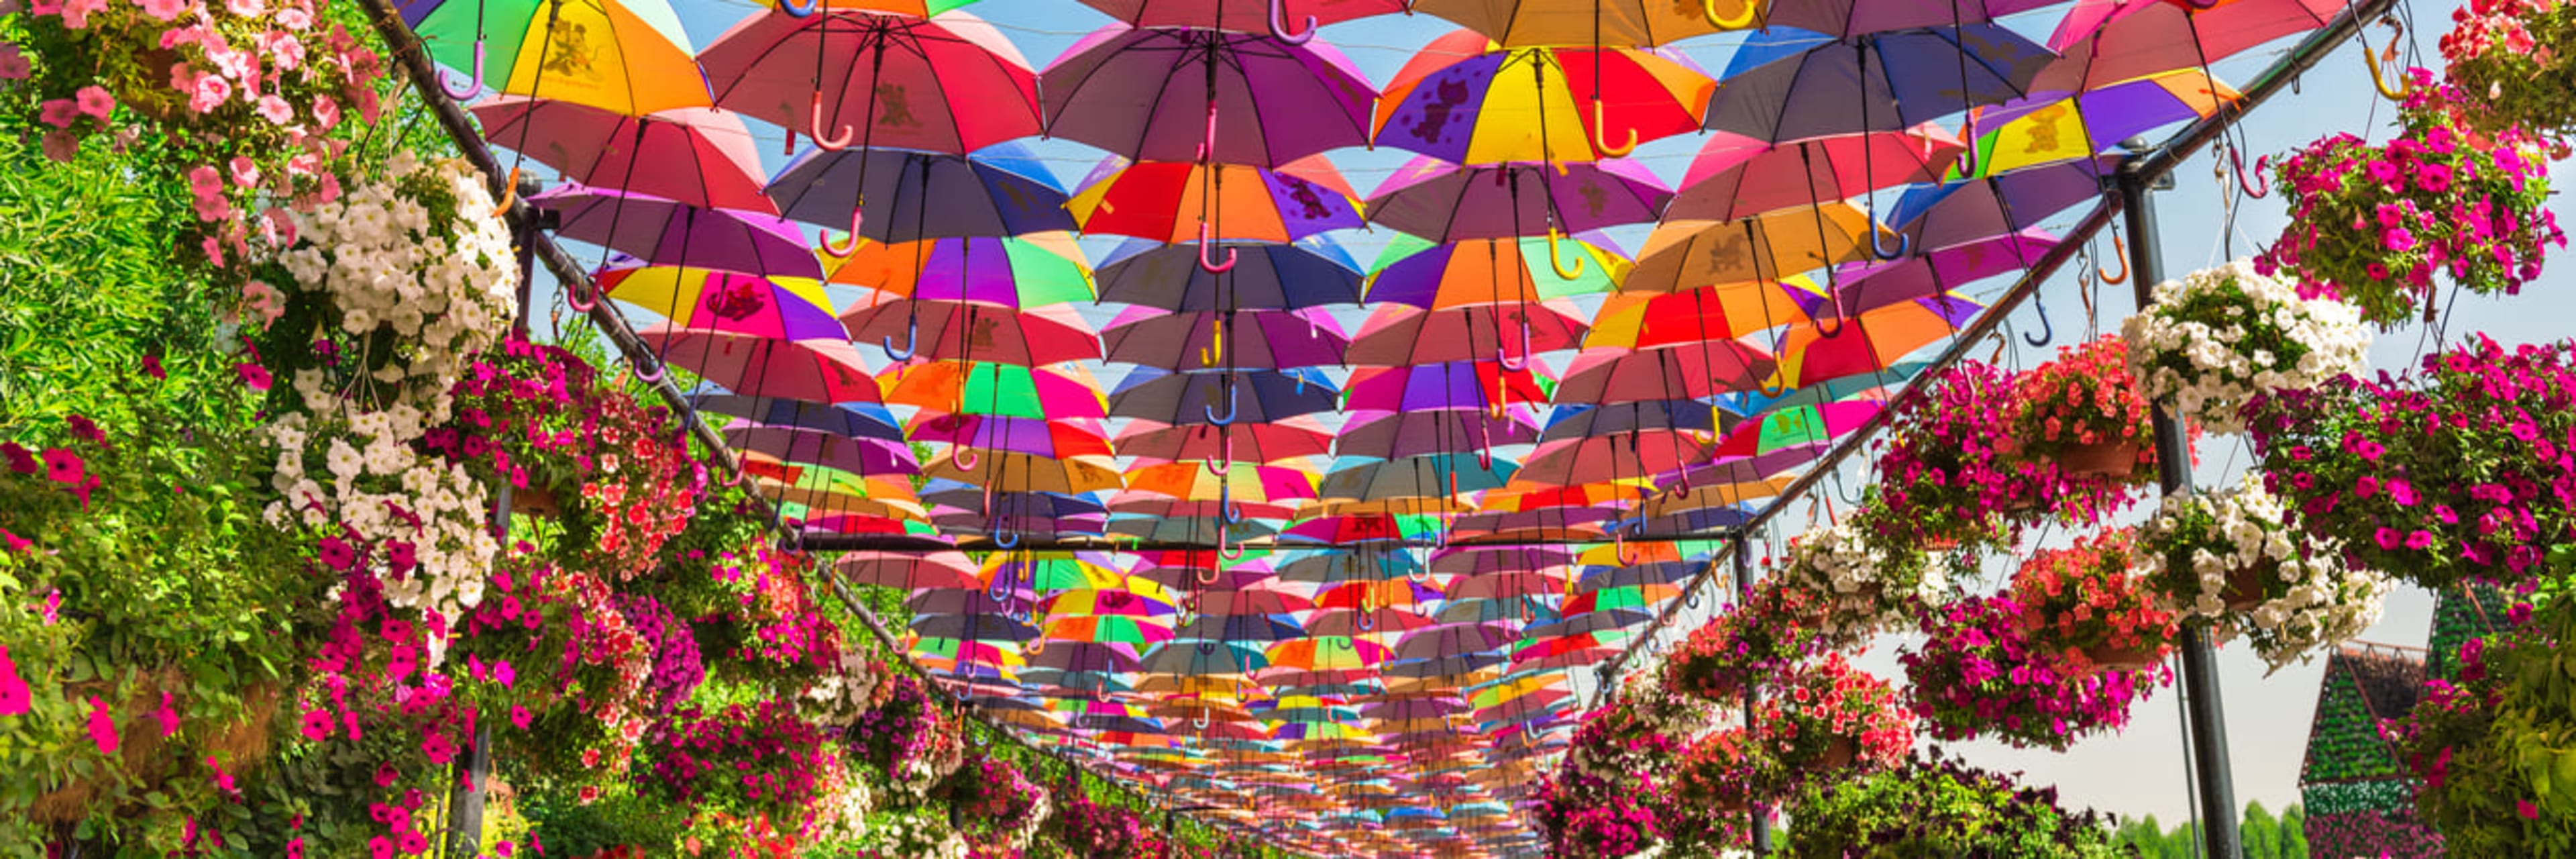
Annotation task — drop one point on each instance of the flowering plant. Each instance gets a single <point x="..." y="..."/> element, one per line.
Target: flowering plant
<point x="1979" y="674"/>
<point x="2219" y="337"/>
<point x="1725" y="775"/>
<point x="1936" y="805"/>
<point x="2372" y="224"/>
<point x="755" y="764"/>
<point x="1943" y="480"/>
<point x="1745" y="643"/>
<point x="2086" y="406"/>
<point x="556" y="655"/>
<point x="1862" y="588"/>
<point x="1607" y="794"/>
<point x="1829" y="716"/>
<point x="999" y="807"/>
<point x="2488" y="748"/>
<point x="2461" y="473"/>
<point x="909" y="739"/>
<point x="2516" y="60"/>
<point x="2231" y="558"/>
<point x="1097" y="830"/>
<point x="2083" y="603"/>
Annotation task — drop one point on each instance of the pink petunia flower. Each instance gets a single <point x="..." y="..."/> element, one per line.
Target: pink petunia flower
<point x="168" y="717"/>
<point x="14" y="65"/>
<point x="102" y="726"/>
<point x="317" y="725"/>
<point x="64" y="467"/>
<point x="14" y="695"/>
<point x="254" y="375"/>
<point x="58" y="113"/>
<point x="163" y="10"/>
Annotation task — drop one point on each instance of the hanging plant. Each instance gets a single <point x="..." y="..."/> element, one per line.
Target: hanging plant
<point x="999" y="808"/>
<point x="2488" y="749"/>
<point x="2460" y="472"/>
<point x="1608" y="794"/>
<point x="1935" y="805"/>
<point x="2373" y="224"/>
<point x="2234" y="559"/>
<point x="910" y="740"/>
<point x="2084" y="414"/>
<point x="1746" y="643"/>
<point x="2082" y="604"/>
<point x="2220" y="337"/>
<point x="1980" y="674"/>
<point x="1943" y="481"/>
<point x="2515" y="63"/>
<point x="755" y="774"/>
<point x="1858" y="589"/>
<point x="1829" y="717"/>
<point x="1724" y="779"/>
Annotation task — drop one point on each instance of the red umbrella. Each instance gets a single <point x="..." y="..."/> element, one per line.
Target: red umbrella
<point x="694" y="155"/>
<point x="823" y="371"/>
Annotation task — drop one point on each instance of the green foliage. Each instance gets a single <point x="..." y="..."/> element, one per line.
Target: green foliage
<point x="620" y="816"/>
<point x="2265" y="836"/>
<point x="1931" y="806"/>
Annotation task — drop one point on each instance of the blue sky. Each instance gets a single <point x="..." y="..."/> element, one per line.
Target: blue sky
<point x="2133" y="773"/>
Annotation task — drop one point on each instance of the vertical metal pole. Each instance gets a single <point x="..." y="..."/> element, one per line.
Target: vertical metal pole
<point x="2206" y="717"/>
<point x="1761" y="820"/>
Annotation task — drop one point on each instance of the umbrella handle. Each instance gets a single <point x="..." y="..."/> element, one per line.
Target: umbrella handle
<point x="794" y="10"/>
<point x="1681" y="480"/>
<point x="2378" y="76"/>
<point x="966" y="459"/>
<point x="572" y="296"/>
<point x="1231" y="512"/>
<point x="1233" y="404"/>
<point x="1224" y="460"/>
<point x="1601" y="131"/>
<point x="2120" y="248"/>
<point x="1504" y="357"/>
<point x="911" y="342"/>
<point x="1207" y="647"/>
<point x="1218" y="465"/>
<point x="1904" y="245"/>
<point x="1209" y="263"/>
<point x="1214" y="351"/>
<point x="814" y="123"/>
<point x="1231" y="552"/>
<point x="637" y="368"/>
<point x="857" y="217"/>
<point x="2047" y="329"/>
<point x="1207" y="575"/>
<point x="1752" y="9"/>
<point x="1279" y="30"/>
<point x="1842" y="317"/>
<point x="2236" y="157"/>
<point x="1201" y="720"/>
<point x="1485" y="458"/>
<point x="1556" y="258"/>
<point x="1009" y="544"/>
<point x="472" y="87"/>
<point x="509" y="194"/>
<point x="1968" y="160"/>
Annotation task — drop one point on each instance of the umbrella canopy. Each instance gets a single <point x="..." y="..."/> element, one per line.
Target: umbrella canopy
<point x="1238" y="16"/>
<point x="1381" y="434"/>
<point x="1251" y="339"/>
<point x="692" y="155"/>
<point x="951" y="83"/>
<point x="1687" y="254"/>
<point x="1055" y="437"/>
<point x="2055" y="127"/>
<point x="624" y="56"/>
<point x="669" y="232"/>
<point x="1687" y="370"/>
<point x="1010" y="273"/>
<point x="1221" y="397"/>
<point x="968" y="330"/>
<point x="2109" y="41"/>
<point x="1479" y="272"/>
<point x="986" y="388"/>
<point x="1641" y="23"/>
<point x="1849" y="18"/>
<point x="1396" y="335"/>
<point x="726" y="302"/>
<point x="1161" y="94"/>
<point x="1735" y="177"/>
<point x="822" y="371"/>
<point x="1305" y="274"/>
<point x="1179" y="201"/>
<point x="1465" y="100"/>
<point x="1445" y="202"/>
<point x="1286" y="438"/>
<point x="1877" y="82"/>
<point x="899" y="195"/>
<point x="1974" y="210"/>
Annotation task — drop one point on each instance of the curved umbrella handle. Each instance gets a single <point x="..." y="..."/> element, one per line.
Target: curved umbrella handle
<point x="1485" y="458"/>
<point x="1207" y="575"/>
<point x="2378" y="75"/>
<point x="1226" y="509"/>
<point x="1214" y="351"/>
<point x="1009" y="544"/>
<point x="1206" y="647"/>
<point x="637" y="368"/>
<point x="2047" y="329"/>
<point x="796" y="11"/>
<point x="1218" y="465"/>
<point x="1207" y="262"/>
<point x="966" y="459"/>
<point x="1681" y="480"/>
<point x="1904" y="245"/>
<point x="911" y="342"/>
<point x="1279" y="29"/>
<point x="1233" y="404"/>
<point x="573" y="296"/>
<point x="1842" y="317"/>
<point x="1556" y="257"/>
<point x="1752" y="9"/>
<point x="1228" y="551"/>
<point x="472" y="87"/>
<point x="1503" y="355"/>
<point x="1968" y="160"/>
<point x="2120" y="248"/>
<point x="2236" y="157"/>
<point x="1772" y="392"/>
<point x="1200" y="721"/>
<point x="1601" y="133"/>
<point x="509" y="194"/>
<point x="840" y="250"/>
<point x="1001" y="587"/>
<point x="814" y="125"/>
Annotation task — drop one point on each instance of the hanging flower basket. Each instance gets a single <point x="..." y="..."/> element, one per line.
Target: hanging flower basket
<point x="2236" y="559"/>
<point x="2374" y="224"/>
<point x="2515" y="63"/>
<point x="2084" y="599"/>
<point x="2219" y="338"/>
<point x="1977" y="675"/>
<point x="1745" y="644"/>
<point x="1944" y="482"/>
<point x="2116" y="459"/>
<point x="2085" y="416"/>
<point x="1857" y="588"/>
<point x="1829" y="716"/>
<point x="535" y="501"/>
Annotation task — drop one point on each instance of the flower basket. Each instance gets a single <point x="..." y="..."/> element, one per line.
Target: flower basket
<point x="1746" y="643"/>
<point x="1945" y="483"/>
<point x="2102" y="459"/>
<point x="1838" y="755"/>
<point x="2515" y="60"/>
<point x="535" y="501"/>
<point x="2129" y="658"/>
<point x="1978" y="675"/>
<point x="2374" y="224"/>
<point x="1829" y="716"/>
<point x="2245" y="585"/>
<point x="2219" y="338"/>
<point x="2086" y="419"/>
<point x="1856" y="589"/>
<point x="2086" y="599"/>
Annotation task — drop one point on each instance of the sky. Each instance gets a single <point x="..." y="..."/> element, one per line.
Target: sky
<point x="2136" y="772"/>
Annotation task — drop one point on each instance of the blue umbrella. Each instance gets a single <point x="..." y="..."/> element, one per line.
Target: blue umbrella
<point x="1984" y="208"/>
<point x="855" y="420"/>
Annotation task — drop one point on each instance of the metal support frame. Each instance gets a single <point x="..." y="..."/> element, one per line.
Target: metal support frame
<point x="1761" y="819"/>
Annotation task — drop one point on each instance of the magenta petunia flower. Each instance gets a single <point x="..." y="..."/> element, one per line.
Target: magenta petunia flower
<point x="254" y="375"/>
<point x="14" y="695"/>
<point x="102" y="726"/>
<point x="64" y="467"/>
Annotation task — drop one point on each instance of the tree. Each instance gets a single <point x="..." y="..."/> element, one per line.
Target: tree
<point x="2294" y="832"/>
<point x="2262" y="832"/>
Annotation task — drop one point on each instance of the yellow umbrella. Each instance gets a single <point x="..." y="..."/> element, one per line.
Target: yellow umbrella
<point x="1686" y="254"/>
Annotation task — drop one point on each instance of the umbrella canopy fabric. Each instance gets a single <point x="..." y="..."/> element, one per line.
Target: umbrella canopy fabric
<point x="1155" y="93"/>
<point x="624" y="56"/>
<point x="900" y="195"/>
<point x="669" y="232"/>
<point x="1445" y="202"/>
<point x="950" y="84"/>
<point x="1627" y="23"/>
<point x="1179" y="201"/>
<point x="692" y="155"/>
<point x="1876" y="82"/>
<point x="1265" y="276"/>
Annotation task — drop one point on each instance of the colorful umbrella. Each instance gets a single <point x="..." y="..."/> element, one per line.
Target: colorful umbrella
<point x="717" y="301"/>
<point x="1394" y="434"/>
<point x="1107" y="628"/>
<point x="1306" y="274"/>
<point x="697" y="156"/>
<point x="1736" y="177"/>
<point x="2109" y="41"/>
<point x="1465" y="101"/>
<point x="936" y="329"/>
<point x="866" y="457"/>
<point x="1645" y="319"/>
<point x="1012" y="273"/>
<point x="1326" y="653"/>
<point x="1945" y="216"/>
<point x="1056" y="437"/>
<point x="843" y="77"/>
<point x="1250" y="483"/>
<point x="1285" y="438"/>
<point x="1434" y="476"/>
<point x="624" y="56"/>
<point x="1179" y="201"/>
<point x="1221" y="397"/>
<point x="899" y="195"/>
<point x="1157" y="94"/>
<point x="1526" y="23"/>
<point x="2053" y="127"/>
<point x="1845" y="19"/>
<point x="1396" y="335"/>
<point x="1686" y="254"/>
<point x="823" y="371"/>
<point x="857" y="420"/>
<point x="1243" y="17"/>
<point x="1025" y="473"/>
<point x="986" y="388"/>
<point x="1449" y="385"/>
<point x="1687" y="370"/>
<point x="1250" y="339"/>
<point x="1877" y="82"/>
<point x="909" y="571"/>
<point x="1484" y="272"/>
<point x="668" y="232"/>
<point x="1445" y="202"/>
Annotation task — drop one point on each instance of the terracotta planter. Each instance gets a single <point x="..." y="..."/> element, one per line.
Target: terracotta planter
<point x="2123" y="658"/>
<point x="143" y="752"/>
<point x="536" y="501"/>
<point x="2245" y="586"/>
<point x="2110" y="459"/>
<point x="1837" y="755"/>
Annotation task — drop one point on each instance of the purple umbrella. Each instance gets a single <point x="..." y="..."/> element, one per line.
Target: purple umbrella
<point x="1879" y="82"/>
<point x="1385" y="434"/>
<point x="1262" y="339"/>
<point x="1486" y="560"/>
<point x="861" y="456"/>
<point x="1157" y="94"/>
<point x="1445" y="202"/>
<point x="1848" y="18"/>
<point x="667" y="232"/>
<point x="1870" y="286"/>
<point x="1549" y="520"/>
<point x="1001" y="191"/>
<point x="1204" y="397"/>
<point x="1960" y="213"/>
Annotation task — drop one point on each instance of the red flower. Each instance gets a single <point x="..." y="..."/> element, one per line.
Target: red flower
<point x="254" y="375"/>
<point x="86" y="428"/>
<point x="64" y="467"/>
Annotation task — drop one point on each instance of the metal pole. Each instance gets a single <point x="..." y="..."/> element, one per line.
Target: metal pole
<point x="2207" y="718"/>
<point x="1752" y="693"/>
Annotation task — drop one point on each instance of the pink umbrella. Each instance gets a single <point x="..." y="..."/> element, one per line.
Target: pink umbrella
<point x="1445" y="202"/>
<point x="1413" y="432"/>
<point x="1684" y="371"/>
<point x="2108" y="41"/>
<point x="1739" y="177"/>
<point x="1285" y="438"/>
<point x="694" y="155"/>
<point x="949" y="329"/>
<point x="950" y="83"/>
<point x="1397" y="336"/>
<point x="1156" y="94"/>
<point x="823" y="371"/>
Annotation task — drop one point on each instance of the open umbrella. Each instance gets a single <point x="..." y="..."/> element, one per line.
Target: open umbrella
<point x="2109" y="41"/>
<point x="693" y="155"/>
<point x="727" y="302"/>
<point x="986" y="388"/>
<point x="1875" y="82"/>
<point x="1156" y="94"/>
<point x="1270" y="441"/>
<point x="669" y="232"/>
<point x="951" y="83"/>
<point x="1646" y="23"/>
<point x="1686" y="370"/>
<point x="2053" y="126"/>
<point x="1178" y="201"/>
<point x="857" y="420"/>
<point x="1247" y="339"/>
<point x="900" y="195"/>
<point x="939" y="329"/>
<point x="1242" y="17"/>
<point x="1484" y="272"/>
<point x="1465" y="101"/>
<point x="823" y="371"/>
<point x="1265" y="276"/>
<point x="1021" y="272"/>
<point x="1737" y="177"/>
<point x="625" y="56"/>
<point x="1383" y="434"/>
<point x="1396" y="335"/>
<point x="1445" y="202"/>
<point x="1767" y="247"/>
<point x="1056" y="437"/>
<point x="1221" y="397"/>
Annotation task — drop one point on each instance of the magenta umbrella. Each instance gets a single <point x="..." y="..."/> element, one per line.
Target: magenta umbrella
<point x="1690" y="370"/>
<point x="950" y="83"/>
<point x="2109" y="41"/>
<point x="1872" y="285"/>
<point x="1445" y="202"/>
<point x="693" y="155"/>
<point x="1163" y="94"/>
<point x="1739" y="177"/>
<point x="1396" y="335"/>
<point x="1251" y="339"/>
<point x="668" y="232"/>
<point x="867" y="457"/>
<point x="1285" y="438"/>
<point x="723" y="301"/>
<point x="823" y="371"/>
<point x="1398" y="434"/>
<point x="949" y="329"/>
